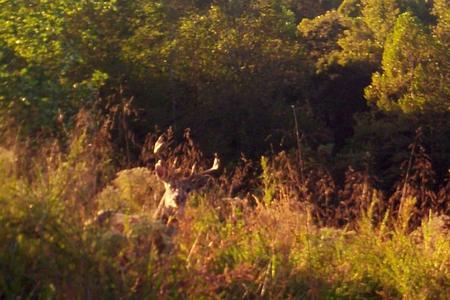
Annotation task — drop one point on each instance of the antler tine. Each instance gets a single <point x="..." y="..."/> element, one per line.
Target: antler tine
<point x="215" y="166"/>
<point x="193" y="168"/>
<point x="159" y="143"/>
<point x="174" y="162"/>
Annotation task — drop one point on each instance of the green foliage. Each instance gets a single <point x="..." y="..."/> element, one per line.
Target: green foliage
<point x="321" y="35"/>
<point x="268" y="182"/>
<point x="419" y="8"/>
<point x="350" y="8"/>
<point x="40" y="67"/>
<point x="223" y="60"/>
<point x="130" y="191"/>
<point x="235" y="70"/>
<point x="380" y="17"/>
<point x="364" y="40"/>
<point x="412" y="79"/>
<point x="442" y="13"/>
<point x="231" y="71"/>
<point x="309" y="8"/>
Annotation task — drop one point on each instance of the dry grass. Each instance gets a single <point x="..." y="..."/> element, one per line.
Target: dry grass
<point x="286" y="237"/>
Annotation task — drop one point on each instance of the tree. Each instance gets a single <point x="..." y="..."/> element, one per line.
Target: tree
<point x="41" y="68"/>
<point x="365" y="39"/>
<point x="411" y="91"/>
<point x="329" y="101"/>
<point x="413" y="77"/>
<point x="320" y="36"/>
<point x="240" y="70"/>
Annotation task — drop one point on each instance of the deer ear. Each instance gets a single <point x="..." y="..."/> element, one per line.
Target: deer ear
<point x="161" y="171"/>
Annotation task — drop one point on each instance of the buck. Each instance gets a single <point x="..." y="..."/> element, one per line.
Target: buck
<point x="177" y="186"/>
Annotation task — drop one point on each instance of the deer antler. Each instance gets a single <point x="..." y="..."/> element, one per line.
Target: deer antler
<point x="215" y="166"/>
<point x="158" y="145"/>
<point x="178" y="182"/>
<point x="193" y="168"/>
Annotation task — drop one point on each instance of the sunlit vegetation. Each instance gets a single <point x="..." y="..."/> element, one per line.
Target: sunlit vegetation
<point x="286" y="238"/>
<point x="331" y="120"/>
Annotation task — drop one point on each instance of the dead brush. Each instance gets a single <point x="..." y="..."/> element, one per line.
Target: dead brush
<point x="443" y="196"/>
<point x="356" y="197"/>
<point x="321" y="194"/>
<point x="283" y="177"/>
<point x="277" y="228"/>
<point x="241" y="179"/>
<point x="418" y="182"/>
<point x="244" y="254"/>
<point x="313" y="185"/>
<point x="315" y="188"/>
<point x="91" y="152"/>
<point x="71" y="169"/>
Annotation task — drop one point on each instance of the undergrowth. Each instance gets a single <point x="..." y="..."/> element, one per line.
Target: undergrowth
<point x="285" y="238"/>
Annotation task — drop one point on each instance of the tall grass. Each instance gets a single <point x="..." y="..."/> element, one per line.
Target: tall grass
<point x="287" y="239"/>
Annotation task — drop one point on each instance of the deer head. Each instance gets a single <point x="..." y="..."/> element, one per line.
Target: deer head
<point x="178" y="185"/>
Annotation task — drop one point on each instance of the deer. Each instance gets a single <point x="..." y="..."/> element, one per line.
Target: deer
<point x="177" y="188"/>
<point x="177" y="185"/>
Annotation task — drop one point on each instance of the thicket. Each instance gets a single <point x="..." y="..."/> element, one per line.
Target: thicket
<point x="362" y="75"/>
<point x="285" y="239"/>
<point x="332" y="119"/>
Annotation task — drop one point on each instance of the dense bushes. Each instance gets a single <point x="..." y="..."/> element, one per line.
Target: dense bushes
<point x="271" y="243"/>
<point x="338" y="111"/>
<point x="229" y="71"/>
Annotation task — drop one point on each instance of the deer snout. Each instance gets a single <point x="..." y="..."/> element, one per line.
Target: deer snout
<point x="175" y="198"/>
